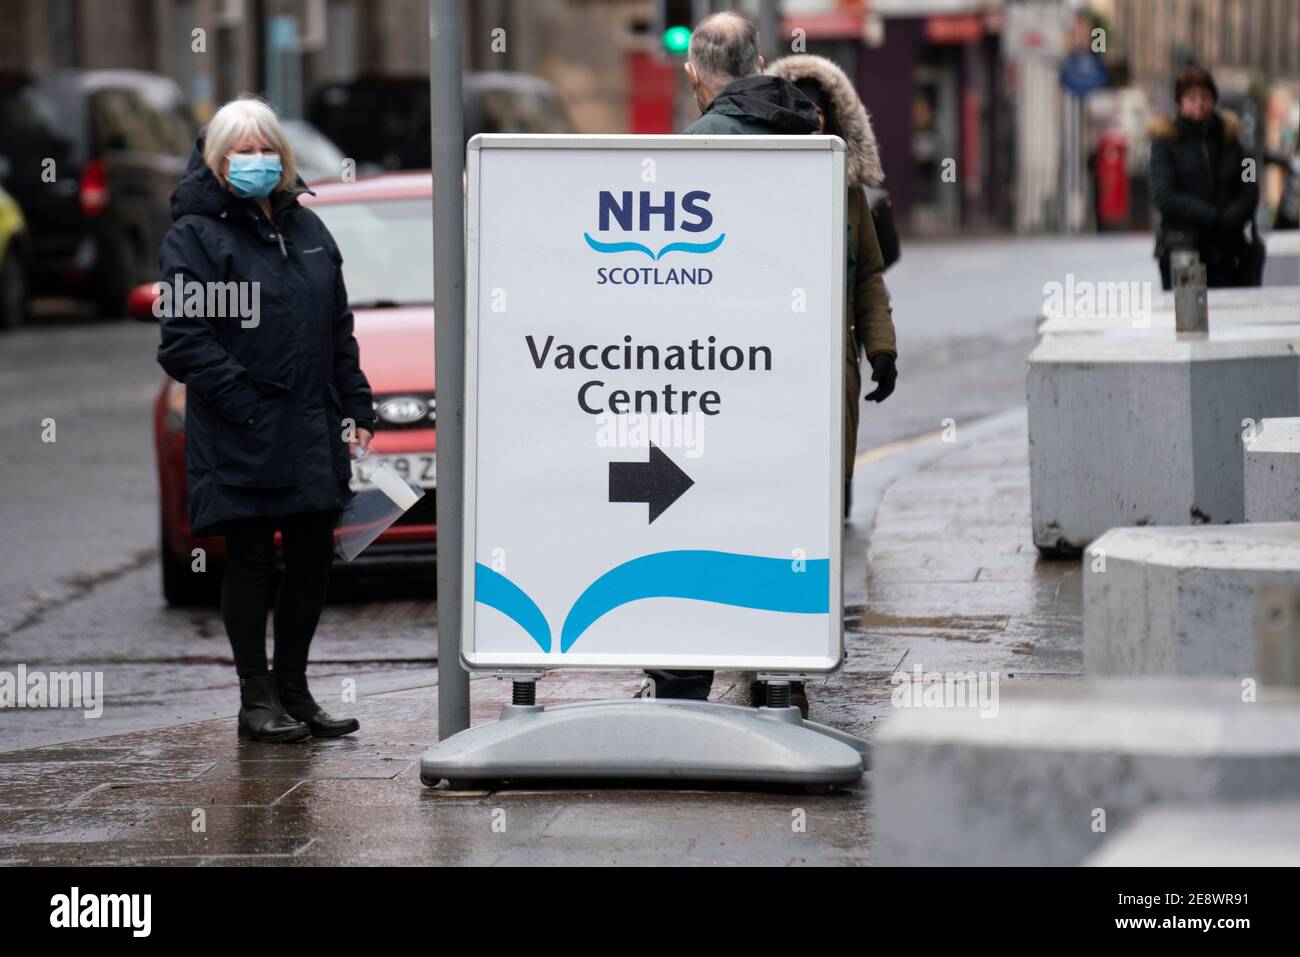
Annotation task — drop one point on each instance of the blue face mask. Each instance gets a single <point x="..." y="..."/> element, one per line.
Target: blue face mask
<point x="254" y="174"/>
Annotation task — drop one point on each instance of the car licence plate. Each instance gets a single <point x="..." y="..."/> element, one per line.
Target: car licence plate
<point x="418" y="467"/>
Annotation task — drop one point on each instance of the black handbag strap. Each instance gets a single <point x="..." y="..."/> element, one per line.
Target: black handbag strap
<point x="882" y="214"/>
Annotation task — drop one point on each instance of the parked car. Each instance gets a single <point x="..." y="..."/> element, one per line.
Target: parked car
<point x="92" y="157"/>
<point x="15" y="260"/>
<point x="501" y="102"/>
<point x="383" y="226"/>
<point x="317" y="157"/>
<point x="383" y="122"/>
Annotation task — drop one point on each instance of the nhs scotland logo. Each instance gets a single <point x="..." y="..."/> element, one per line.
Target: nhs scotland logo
<point x="622" y="216"/>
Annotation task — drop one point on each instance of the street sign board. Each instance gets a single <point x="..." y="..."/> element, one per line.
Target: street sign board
<point x="653" y="412"/>
<point x="1082" y="72"/>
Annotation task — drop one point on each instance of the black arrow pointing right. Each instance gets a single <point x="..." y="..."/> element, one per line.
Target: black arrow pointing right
<point x="658" y="482"/>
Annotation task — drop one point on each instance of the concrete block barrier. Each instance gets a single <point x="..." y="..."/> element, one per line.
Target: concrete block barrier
<point x="1064" y="765"/>
<point x="1272" y="472"/>
<point x="1244" y="298"/>
<point x="1250" y="835"/>
<point x="1182" y="600"/>
<point x="1266" y="305"/>
<point x="1146" y="428"/>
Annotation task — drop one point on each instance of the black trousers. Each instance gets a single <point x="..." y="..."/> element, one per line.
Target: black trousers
<point x="682" y="684"/>
<point x="308" y="540"/>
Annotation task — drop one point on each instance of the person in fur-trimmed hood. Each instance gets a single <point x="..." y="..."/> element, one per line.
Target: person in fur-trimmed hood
<point x="868" y="320"/>
<point x="736" y="98"/>
<point x="1198" y="181"/>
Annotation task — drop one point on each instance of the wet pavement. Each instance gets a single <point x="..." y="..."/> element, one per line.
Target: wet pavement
<point x="164" y="665"/>
<point x="948" y="580"/>
<point x="79" y="572"/>
<point x="79" y="569"/>
<point x="953" y="566"/>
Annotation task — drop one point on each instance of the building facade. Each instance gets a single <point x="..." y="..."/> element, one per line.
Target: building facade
<point x="217" y="49"/>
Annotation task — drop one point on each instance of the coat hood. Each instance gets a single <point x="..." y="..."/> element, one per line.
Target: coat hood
<point x="1168" y="127"/>
<point x="849" y="120"/>
<point x="200" y="192"/>
<point x="768" y="100"/>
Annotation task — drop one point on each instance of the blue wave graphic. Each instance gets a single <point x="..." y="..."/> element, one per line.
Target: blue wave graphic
<point x="726" y="578"/>
<point x="631" y="247"/>
<point x="617" y="247"/>
<point x="496" y="591"/>
<point x="692" y="247"/>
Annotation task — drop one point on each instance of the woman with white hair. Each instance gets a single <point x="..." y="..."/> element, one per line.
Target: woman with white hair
<point x="275" y="399"/>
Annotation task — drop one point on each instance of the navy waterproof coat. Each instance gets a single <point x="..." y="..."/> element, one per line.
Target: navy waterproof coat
<point x="265" y="402"/>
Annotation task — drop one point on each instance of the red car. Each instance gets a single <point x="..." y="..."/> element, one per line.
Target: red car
<point x="384" y="229"/>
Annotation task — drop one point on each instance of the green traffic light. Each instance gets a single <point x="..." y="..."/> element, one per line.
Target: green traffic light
<point x="677" y="39"/>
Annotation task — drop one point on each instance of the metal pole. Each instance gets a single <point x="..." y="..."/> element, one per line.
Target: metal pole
<point x="767" y="30"/>
<point x="1191" y="309"/>
<point x="448" y="163"/>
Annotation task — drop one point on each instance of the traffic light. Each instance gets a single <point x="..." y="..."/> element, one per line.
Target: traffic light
<point x="677" y="39"/>
<point x="675" y="21"/>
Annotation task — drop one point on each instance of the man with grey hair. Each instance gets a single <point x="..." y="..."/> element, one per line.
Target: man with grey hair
<point x="735" y="98"/>
<point x="726" y="74"/>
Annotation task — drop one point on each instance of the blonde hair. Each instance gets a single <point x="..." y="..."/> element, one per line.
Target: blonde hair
<point x="245" y="116"/>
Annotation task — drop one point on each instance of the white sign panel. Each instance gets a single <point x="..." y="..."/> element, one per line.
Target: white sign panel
<point x="655" y="355"/>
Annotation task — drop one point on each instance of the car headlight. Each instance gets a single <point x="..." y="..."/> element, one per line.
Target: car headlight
<point x="405" y="411"/>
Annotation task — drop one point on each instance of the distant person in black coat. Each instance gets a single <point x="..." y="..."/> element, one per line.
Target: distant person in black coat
<point x="275" y="399"/>
<point x="1200" y="184"/>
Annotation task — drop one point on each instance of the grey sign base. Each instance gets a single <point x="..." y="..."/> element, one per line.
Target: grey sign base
<point x="648" y="739"/>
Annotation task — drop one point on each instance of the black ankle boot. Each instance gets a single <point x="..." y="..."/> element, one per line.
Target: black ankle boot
<point x="262" y="717"/>
<point x="299" y="703"/>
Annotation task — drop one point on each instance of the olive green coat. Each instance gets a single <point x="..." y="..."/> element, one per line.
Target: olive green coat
<point x="770" y="104"/>
<point x="868" y="319"/>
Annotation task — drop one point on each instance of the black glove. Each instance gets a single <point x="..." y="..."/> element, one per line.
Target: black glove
<point x="884" y="373"/>
<point x="1230" y="221"/>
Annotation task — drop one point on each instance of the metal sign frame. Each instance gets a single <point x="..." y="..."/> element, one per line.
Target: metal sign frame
<point x="835" y="384"/>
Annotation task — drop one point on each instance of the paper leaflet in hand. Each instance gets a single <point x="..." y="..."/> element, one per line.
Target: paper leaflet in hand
<point x="374" y="508"/>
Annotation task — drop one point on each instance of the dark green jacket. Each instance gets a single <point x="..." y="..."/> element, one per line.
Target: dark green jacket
<point x="757" y="106"/>
<point x="767" y="105"/>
